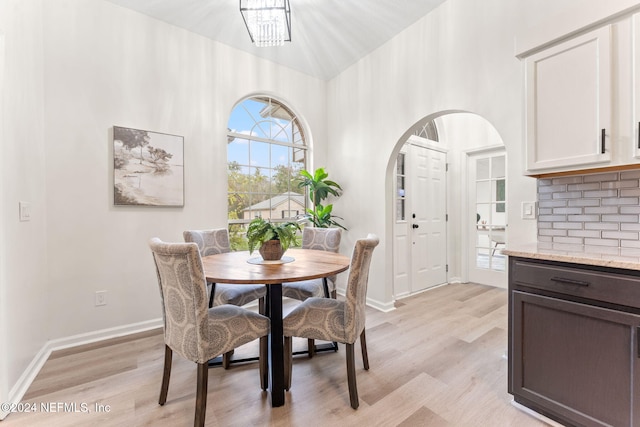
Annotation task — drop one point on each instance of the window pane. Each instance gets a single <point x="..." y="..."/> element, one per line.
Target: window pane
<point x="297" y="136"/>
<point x="482" y="258"/>
<point x="482" y="169"/>
<point x="483" y="214"/>
<point x="280" y="131"/>
<point x="400" y="164"/>
<point x="238" y="151"/>
<point x="483" y="191"/>
<point x="280" y="155"/>
<point x="400" y="192"/>
<point x="259" y="152"/>
<point x="400" y="210"/>
<point x="497" y="167"/>
<point x="299" y="157"/>
<point x="239" y="179"/>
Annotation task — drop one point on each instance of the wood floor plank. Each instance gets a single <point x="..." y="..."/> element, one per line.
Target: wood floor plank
<point x="436" y="360"/>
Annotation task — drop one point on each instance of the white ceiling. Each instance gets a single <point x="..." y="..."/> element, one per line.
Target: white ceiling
<point x="327" y="35"/>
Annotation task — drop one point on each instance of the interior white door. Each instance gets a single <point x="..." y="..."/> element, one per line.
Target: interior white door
<point x="487" y="217"/>
<point x="420" y="223"/>
<point x="428" y="218"/>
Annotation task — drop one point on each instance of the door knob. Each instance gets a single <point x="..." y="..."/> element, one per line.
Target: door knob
<point x="415" y="226"/>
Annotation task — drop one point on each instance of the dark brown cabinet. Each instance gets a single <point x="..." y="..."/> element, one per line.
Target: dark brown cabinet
<point x="574" y="353"/>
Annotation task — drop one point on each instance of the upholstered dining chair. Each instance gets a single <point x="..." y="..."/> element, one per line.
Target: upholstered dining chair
<point x="216" y="241"/>
<point x="322" y="239"/>
<point x="192" y="329"/>
<point x="333" y="320"/>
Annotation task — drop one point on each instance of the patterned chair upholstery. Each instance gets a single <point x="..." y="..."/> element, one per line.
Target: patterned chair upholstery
<point x="323" y="239"/>
<point x="216" y="241"/>
<point x="192" y="329"/>
<point x="332" y="320"/>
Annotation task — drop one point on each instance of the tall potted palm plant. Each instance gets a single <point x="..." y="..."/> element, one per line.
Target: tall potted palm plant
<point x="320" y="188"/>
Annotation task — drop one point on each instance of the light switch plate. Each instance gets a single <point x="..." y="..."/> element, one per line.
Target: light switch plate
<point x="25" y="211"/>
<point x="529" y="210"/>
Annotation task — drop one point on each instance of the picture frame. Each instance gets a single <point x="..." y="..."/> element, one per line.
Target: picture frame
<point x="148" y="168"/>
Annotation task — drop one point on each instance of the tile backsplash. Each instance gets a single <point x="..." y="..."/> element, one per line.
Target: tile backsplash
<point x="597" y="209"/>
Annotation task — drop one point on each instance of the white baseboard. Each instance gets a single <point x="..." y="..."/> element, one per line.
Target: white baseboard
<point x="24" y="382"/>
<point x="104" y="334"/>
<point x="382" y="306"/>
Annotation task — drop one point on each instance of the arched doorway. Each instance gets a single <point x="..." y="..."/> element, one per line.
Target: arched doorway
<point x="469" y="147"/>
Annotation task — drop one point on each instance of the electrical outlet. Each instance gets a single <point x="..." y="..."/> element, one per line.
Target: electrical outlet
<point x="101" y="298"/>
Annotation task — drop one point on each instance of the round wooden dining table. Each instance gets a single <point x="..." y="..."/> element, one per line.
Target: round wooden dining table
<point x="297" y="265"/>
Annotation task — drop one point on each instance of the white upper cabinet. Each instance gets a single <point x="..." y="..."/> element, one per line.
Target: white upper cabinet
<point x="569" y="104"/>
<point x="635" y="92"/>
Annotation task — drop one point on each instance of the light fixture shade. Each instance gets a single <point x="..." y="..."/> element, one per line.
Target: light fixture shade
<point x="268" y="21"/>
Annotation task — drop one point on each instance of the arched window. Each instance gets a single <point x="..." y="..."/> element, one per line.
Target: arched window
<point x="427" y="130"/>
<point x="266" y="150"/>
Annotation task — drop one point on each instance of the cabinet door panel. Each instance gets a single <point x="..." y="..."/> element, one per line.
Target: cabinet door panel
<point x="635" y="123"/>
<point x="575" y="360"/>
<point x="569" y="103"/>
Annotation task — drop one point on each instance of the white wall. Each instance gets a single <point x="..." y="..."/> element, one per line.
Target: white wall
<point x="23" y="284"/>
<point x="460" y="57"/>
<point x="105" y="66"/>
<point x="75" y="69"/>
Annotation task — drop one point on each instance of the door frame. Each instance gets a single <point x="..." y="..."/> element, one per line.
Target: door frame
<point x="466" y="238"/>
<point x="429" y="145"/>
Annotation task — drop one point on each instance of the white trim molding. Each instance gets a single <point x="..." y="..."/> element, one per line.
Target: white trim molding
<point x="26" y="379"/>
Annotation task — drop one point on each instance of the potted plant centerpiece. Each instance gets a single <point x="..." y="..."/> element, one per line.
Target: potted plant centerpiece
<point x="272" y="239"/>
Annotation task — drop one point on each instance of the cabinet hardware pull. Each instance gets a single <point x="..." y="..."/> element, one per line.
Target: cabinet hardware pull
<point x="569" y="281"/>
<point x="638" y="134"/>
<point x="602" y="142"/>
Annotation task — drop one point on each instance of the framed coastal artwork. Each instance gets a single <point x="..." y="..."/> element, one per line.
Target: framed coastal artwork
<point x="148" y="168"/>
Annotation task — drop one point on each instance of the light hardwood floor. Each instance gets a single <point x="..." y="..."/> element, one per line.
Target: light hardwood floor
<point x="437" y="360"/>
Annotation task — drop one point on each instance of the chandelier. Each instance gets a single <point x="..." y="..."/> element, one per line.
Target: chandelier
<point x="268" y="21"/>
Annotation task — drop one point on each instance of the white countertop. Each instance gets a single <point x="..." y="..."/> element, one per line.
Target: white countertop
<point x="604" y="256"/>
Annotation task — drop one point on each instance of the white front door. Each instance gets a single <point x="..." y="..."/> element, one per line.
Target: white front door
<point x="486" y="217"/>
<point x="420" y="255"/>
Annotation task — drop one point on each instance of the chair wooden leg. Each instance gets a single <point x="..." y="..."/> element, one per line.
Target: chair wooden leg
<point x="201" y="394"/>
<point x="226" y="359"/>
<point x="264" y="362"/>
<point x="311" y="347"/>
<point x="261" y="306"/>
<point x="164" y="388"/>
<point x="212" y="294"/>
<point x="334" y="294"/>
<point x="288" y="362"/>
<point x="351" y="377"/>
<point x="363" y="347"/>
